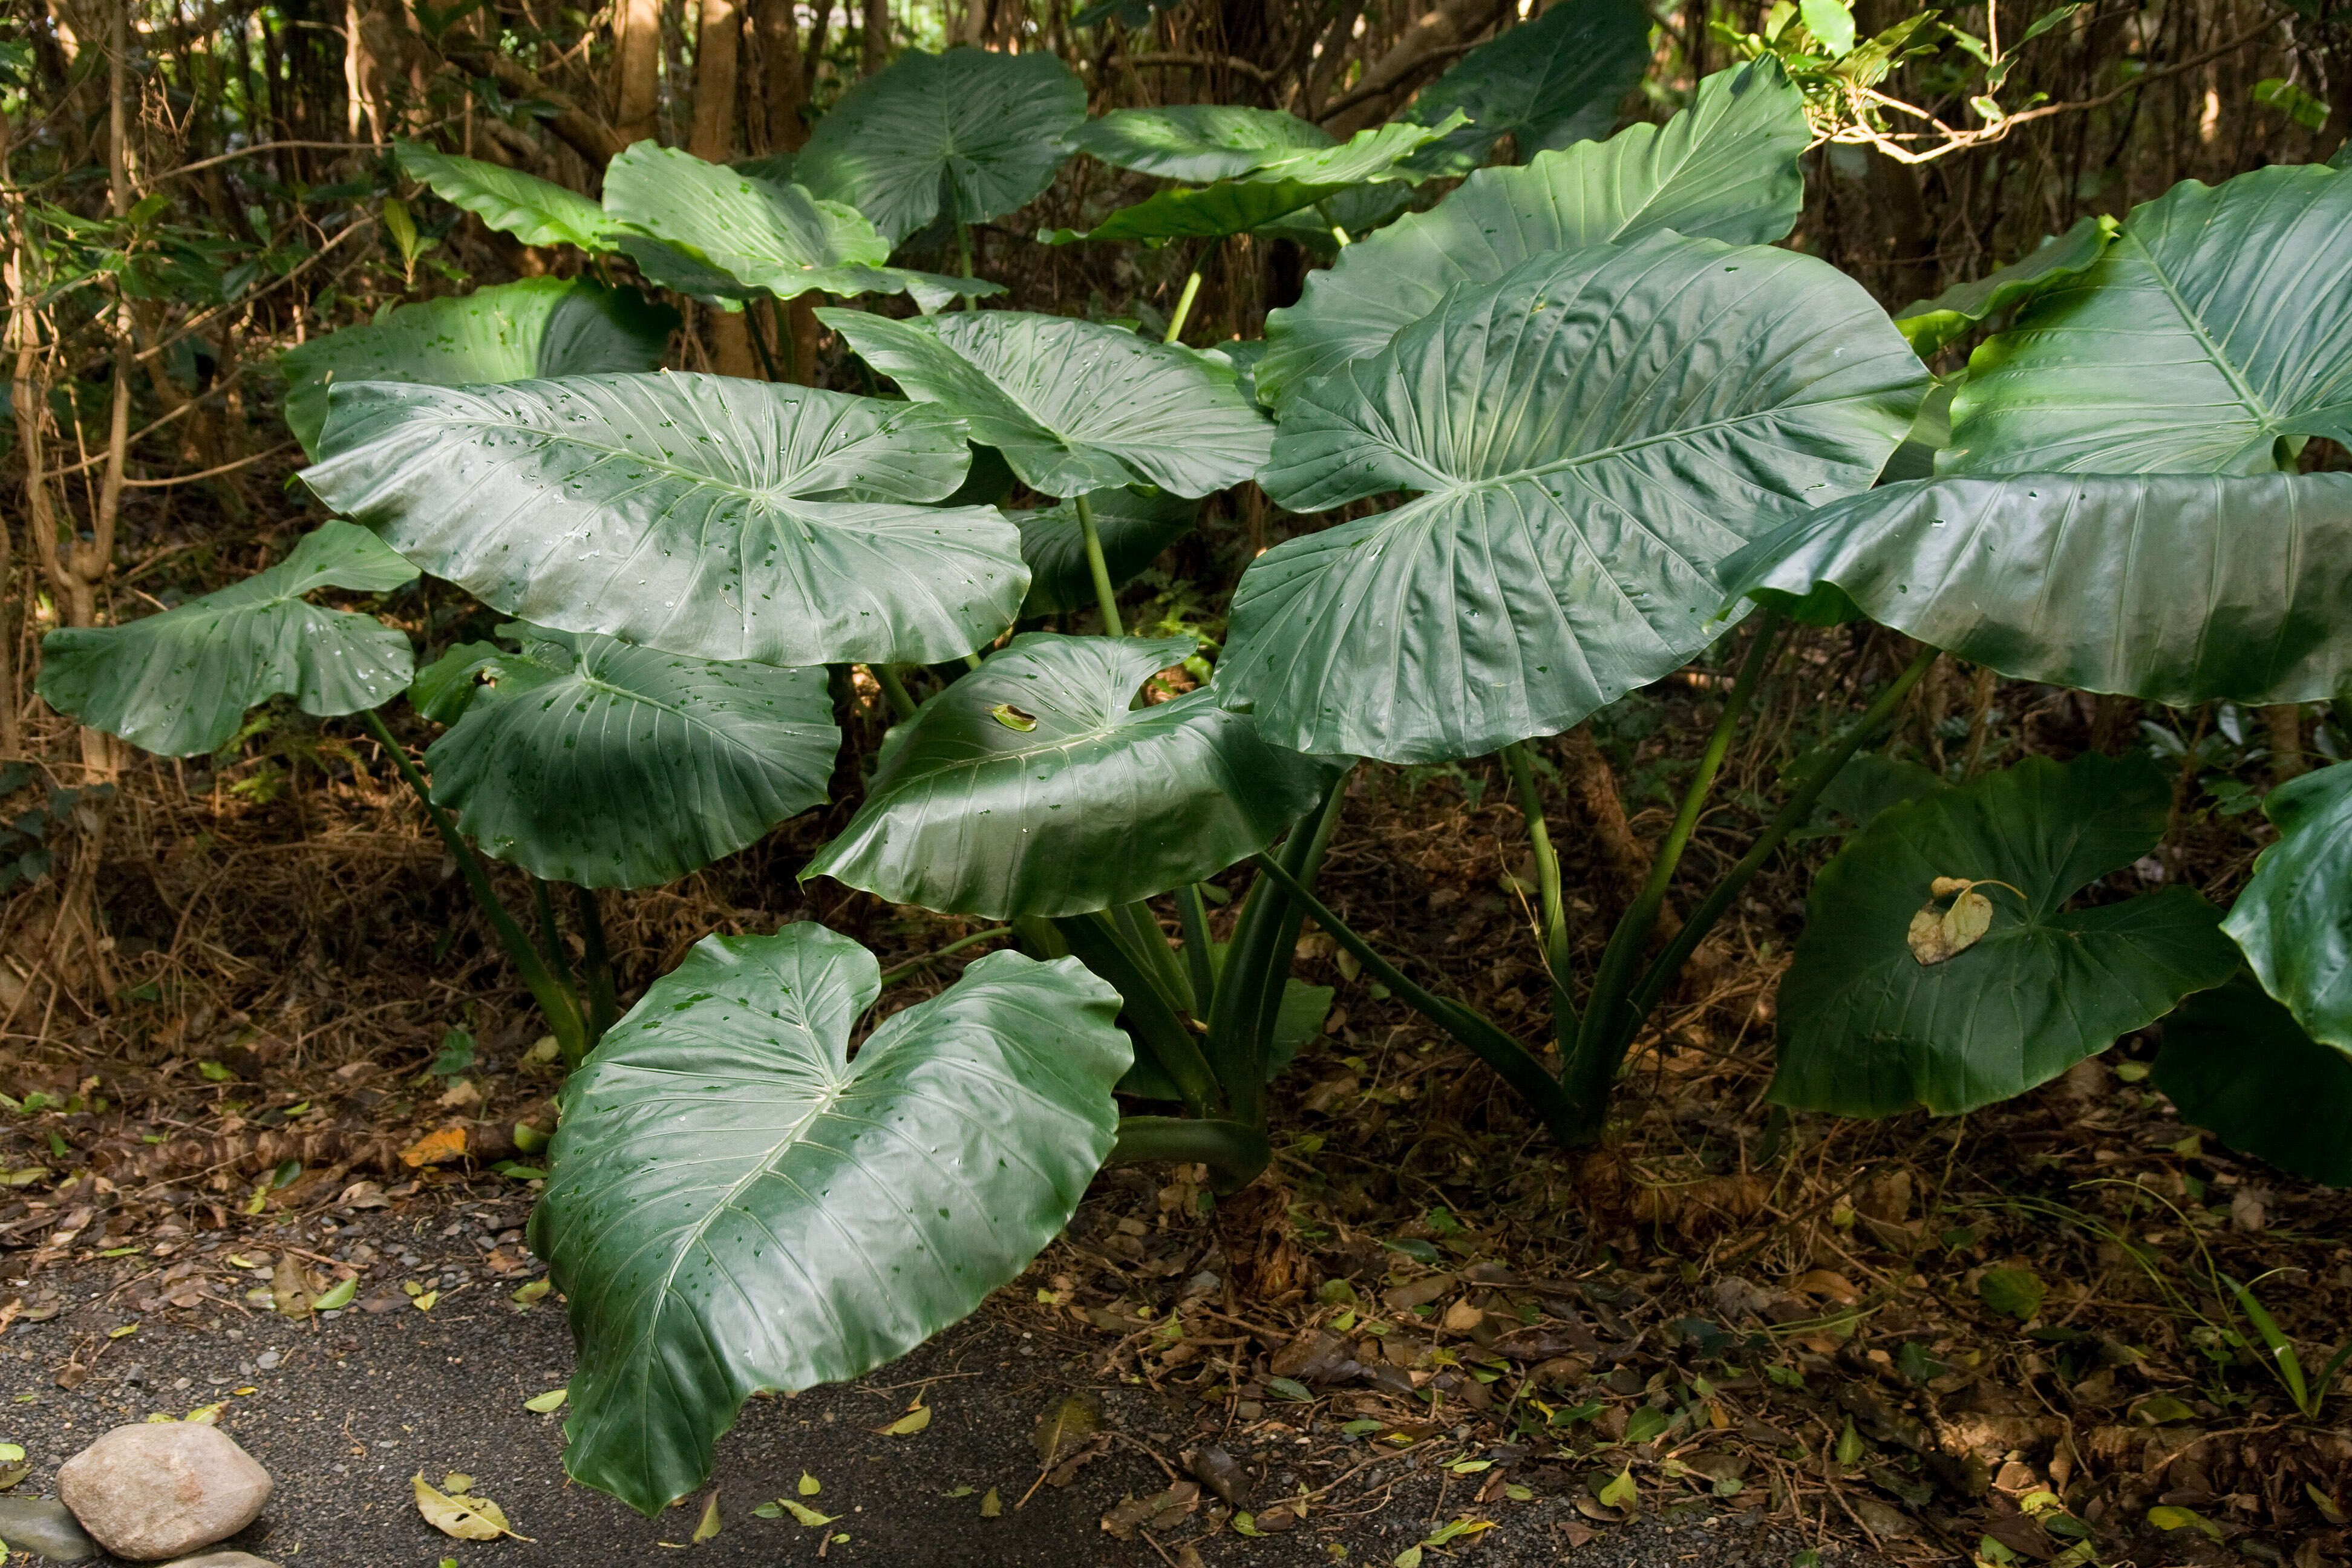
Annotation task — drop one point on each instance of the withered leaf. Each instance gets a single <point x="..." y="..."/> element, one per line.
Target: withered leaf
<point x="1064" y="1427"/>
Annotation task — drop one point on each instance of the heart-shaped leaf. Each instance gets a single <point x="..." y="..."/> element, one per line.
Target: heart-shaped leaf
<point x="1269" y="190"/>
<point x="535" y="211"/>
<point x="178" y="683"/>
<point x="972" y="131"/>
<point x="692" y="513"/>
<point x="1591" y="436"/>
<point x="1724" y="168"/>
<point x="1868" y="1029"/>
<point x="1197" y="142"/>
<point x="1073" y="406"/>
<point x="2218" y="325"/>
<point x="1962" y="308"/>
<point x="589" y="760"/>
<point x="2293" y="917"/>
<point x="1545" y="84"/>
<point x="513" y="332"/>
<point x="1031" y="788"/>
<point x="2179" y="588"/>
<point x="759" y="235"/>
<point x="2236" y="1065"/>
<point x="738" y="1206"/>
<point x="1134" y="525"/>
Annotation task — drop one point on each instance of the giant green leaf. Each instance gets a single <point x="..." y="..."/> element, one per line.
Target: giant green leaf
<point x="1073" y="406"/>
<point x="2236" y="1065"/>
<point x="1197" y="142"/>
<point x="1030" y="787"/>
<point x="740" y="1205"/>
<point x="766" y="236"/>
<point x="179" y="682"/>
<point x="1269" y="190"/>
<point x="2179" y="588"/>
<point x="589" y="760"/>
<point x="1868" y="1029"/>
<point x="538" y="327"/>
<point x="1724" y="168"/>
<point x="1964" y="306"/>
<point x="535" y="211"/>
<point x="1551" y="82"/>
<point x="972" y="131"/>
<point x="691" y="513"/>
<point x="1591" y="435"/>
<point x="2293" y="917"/>
<point x="1134" y="525"/>
<point x="2216" y="327"/>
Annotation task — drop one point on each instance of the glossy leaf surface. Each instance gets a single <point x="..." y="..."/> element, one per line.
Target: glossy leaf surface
<point x="976" y="131"/>
<point x="767" y="237"/>
<point x="2219" y="322"/>
<point x="1074" y="406"/>
<point x="737" y="1206"/>
<point x="1962" y="308"/>
<point x="1197" y="142"/>
<point x="535" y="211"/>
<point x="1135" y="526"/>
<point x="2236" y="1065"/>
<point x="691" y="513"/>
<point x="1591" y="436"/>
<point x="1547" y="83"/>
<point x="2294" y="917"/>
<point x="589" y="760"/>
<point x="1724" y="168"/>
<point x="512" y="331"/>
<point x="178" y="683"/>
<point x="1030" y="787"/>
<point x="2177" y="588"/>
<point x="1867" y="1029"/>
<point x="1269" y="190"/>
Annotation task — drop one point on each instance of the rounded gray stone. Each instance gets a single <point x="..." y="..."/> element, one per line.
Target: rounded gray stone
<point x="44" y="1527"/>
<point x="163" y="1489"/>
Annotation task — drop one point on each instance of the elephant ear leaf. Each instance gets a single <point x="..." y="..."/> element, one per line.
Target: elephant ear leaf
<point x="2237" y="1065"/>
<point x="1270" y="191"/>
<point x="1724" y="168"/>
<point x="1074" y="406"/>
<point x="178" y="683"/>
<point x="1082" y="801"/>
<point x="2294" y="917"/>
<point x="1197" y="142"/>
<point x="723" y="235"/>
<point x="535" y="211"/>
<point x="2216" y="330"/>
<point x="973" y="131"/>
<point x="2085" y="580"/>
<point x="1553" y="82"/>
<point x="592" y="762"/>
<point x="1134" y="525"/>
<point x="697" y="514"/>
<point x="1872" y="1025"/>
<point x="1688" y="390"/>
<point x="513" y="332"/>
<point x="1962" y="308"/>
<point x="738" y="1205"/>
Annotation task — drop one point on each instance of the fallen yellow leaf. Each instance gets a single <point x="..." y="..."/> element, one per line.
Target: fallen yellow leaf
<point x="435" y="1148"/>
<point x="466" y="1518"/>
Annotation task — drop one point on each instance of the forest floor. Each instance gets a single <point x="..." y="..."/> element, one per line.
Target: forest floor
<point x="2006" y="1337"/>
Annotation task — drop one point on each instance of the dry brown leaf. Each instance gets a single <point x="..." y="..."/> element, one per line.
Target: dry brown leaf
<point x="435" y="1148"/>
<point x="1065" y="1427"/>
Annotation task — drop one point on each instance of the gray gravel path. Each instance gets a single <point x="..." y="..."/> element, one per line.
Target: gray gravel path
<point x="345" y="1411"/>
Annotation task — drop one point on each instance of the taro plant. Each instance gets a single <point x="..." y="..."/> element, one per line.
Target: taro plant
<point x="1615" y="412"/>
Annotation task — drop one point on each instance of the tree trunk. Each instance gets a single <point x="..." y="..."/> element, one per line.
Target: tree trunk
<point x="777" y="89"/>
<point x="717" y="39"/>
<point x="637" y="68"/>
<point x="873" y="37"/>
